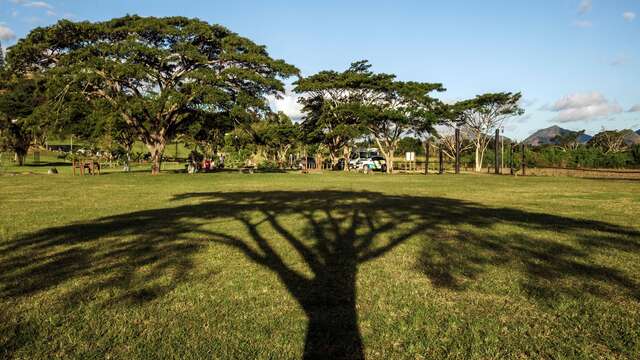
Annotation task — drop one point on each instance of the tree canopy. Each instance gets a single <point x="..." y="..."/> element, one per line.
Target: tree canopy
<point x="342" y="106"/>
<point x="328" y="99"/>
<point x="159" y="74"/>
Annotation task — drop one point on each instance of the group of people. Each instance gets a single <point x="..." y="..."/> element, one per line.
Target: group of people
<point x="205" y="165"/>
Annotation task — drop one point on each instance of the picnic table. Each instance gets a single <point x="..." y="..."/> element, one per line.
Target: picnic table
<point x="92" y="167"/>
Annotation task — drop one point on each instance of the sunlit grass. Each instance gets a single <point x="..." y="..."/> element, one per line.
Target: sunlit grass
<point x="235" y="266"/>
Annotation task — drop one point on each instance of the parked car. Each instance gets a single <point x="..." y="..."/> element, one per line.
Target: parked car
<point x="374" y="163"/>
<point x="357" y="158"/>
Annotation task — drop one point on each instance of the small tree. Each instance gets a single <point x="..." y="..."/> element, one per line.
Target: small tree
<point x="448" y="140"/>
<point x="159" y="74"/>
<point x="19" y="123"/>
<point x="410" y="144"/>
<point x="568" y="141"/>
<point x="278" y="135"/>
<point x="610" y="141"/>
<point x="482" y="115"/>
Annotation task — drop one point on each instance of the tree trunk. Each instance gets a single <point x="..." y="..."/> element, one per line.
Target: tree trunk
<point x="478" y="160"/>
<point x="390" y="155"/>
<point x="345" y="156"/>
<point x="334" y="161"/>
<point x="482" y="150"/>
<point x="156" y="149"/>
<point x="20" y="156"/>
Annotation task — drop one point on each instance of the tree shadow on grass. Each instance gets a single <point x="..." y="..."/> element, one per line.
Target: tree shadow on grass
<point x="143" y="255"/>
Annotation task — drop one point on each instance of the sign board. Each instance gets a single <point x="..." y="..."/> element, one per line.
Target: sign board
<point x="410" y="156"/>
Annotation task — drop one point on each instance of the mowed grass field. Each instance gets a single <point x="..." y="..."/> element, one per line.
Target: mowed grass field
<point x="285" y="266"/>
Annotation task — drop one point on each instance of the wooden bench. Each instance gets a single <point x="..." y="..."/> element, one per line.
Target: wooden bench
<point x="247" y="170"/>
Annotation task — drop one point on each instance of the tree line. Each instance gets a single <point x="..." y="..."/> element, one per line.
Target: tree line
<point x="158" y="80"/>
<point x="606" y="149"/>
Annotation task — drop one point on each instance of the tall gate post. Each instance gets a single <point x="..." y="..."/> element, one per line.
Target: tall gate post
<point x="441" y="159"/>
<point x="495" y="150"/>
<point x="511" y="159"/>
<point x="524" y="164"/>
<point x="427" y="145"/>
<point x="457" y="150"/>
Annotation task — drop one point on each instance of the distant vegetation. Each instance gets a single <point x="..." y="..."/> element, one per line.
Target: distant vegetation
<point x="559" y="147"/>
<point x="157" y="81"/>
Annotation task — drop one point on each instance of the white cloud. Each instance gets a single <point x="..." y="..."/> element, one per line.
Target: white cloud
<point x="629" y="16"/>
<point x="583" y="24"/>
<point x="288" y="105"/>
<point x="6" y="33"/>
<point x="620" y="60"/>
<point x="51" y="13"/>
<point x="635" y="108"/>
<point x="38" y="5"/>
<point x="583" y="107"/>
<point x="585" y="6"/>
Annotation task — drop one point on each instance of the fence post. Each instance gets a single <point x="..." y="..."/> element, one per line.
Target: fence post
<point x="441" y="159"/>
<point x="524" y="165"/>
<point x="495" y="151"/>
<point x="427" y="145"/>
<point x="511" y="162"/>
<point x="457" y="150"/>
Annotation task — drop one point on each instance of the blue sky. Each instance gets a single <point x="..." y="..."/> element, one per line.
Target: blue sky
<point x="575" y="61"/>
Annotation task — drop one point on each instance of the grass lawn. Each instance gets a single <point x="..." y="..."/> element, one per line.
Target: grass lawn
<point x="332" y="265"/>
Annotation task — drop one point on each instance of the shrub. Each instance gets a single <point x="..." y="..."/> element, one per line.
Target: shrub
<point x="268" y="165"/>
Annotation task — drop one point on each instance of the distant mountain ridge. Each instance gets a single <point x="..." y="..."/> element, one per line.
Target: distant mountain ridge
<point x="632" y="138"/>
<point x="546" y="136"/>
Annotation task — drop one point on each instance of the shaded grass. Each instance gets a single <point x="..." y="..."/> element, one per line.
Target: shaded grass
<point x="286" y="265"/>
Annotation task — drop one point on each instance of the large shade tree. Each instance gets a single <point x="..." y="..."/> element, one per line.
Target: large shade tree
<point x="159" y="74"/>
<point x="398" y="108"/>
<point x="328" y="99"/>
<point x="359" y="101"/>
